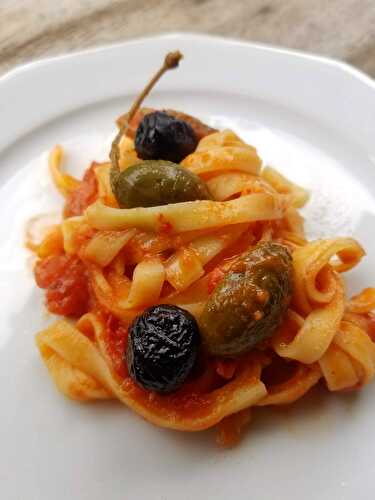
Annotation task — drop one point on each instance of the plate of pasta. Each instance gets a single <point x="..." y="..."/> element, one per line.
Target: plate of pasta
<point x="187" y="274"/>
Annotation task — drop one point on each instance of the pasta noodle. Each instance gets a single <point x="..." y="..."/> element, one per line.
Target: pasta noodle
<point x="103" y="247"/>
<point x="148" y="279"/>
<point x="186" y="265"/>
<point x="285" y="186"/>
<point x="116" y="262"/>
<point x="223" y="151"/>
<point x="64" y="182"/>
<point x="188" y="216"/>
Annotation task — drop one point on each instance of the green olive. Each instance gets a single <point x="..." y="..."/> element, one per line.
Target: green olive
<point x="250" y="302"/>
<point x="157" y="182"/>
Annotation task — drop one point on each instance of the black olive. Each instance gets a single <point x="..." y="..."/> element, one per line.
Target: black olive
<point x="163" y="137"/>
<point x="157" y="182"/>
<point x="162" y="347"/>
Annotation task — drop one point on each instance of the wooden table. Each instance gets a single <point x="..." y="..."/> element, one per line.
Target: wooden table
<point x="31" y="29"/>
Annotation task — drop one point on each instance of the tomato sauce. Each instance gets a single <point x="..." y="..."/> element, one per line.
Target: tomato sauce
<point x="278" y="372"/>
<point x="226" y="368"/>
<point x="117" y="338"/>
<point x="65" y="280"/>
<point x="85" y="194"/>
<point x="242" y="245"/>
<point x="214" y="279"/>
<point x="165" y="227"/>
<point x="371" y="326"/>
<point x="185" y="401"/>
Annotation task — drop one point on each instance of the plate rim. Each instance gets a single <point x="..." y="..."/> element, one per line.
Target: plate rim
<point x="269" y="47"/>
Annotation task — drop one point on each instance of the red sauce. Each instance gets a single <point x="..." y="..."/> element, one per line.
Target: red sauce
<point x="117" y="337"/>
<point x="371" y="327"/>
<point x="226" y="368"/>
<point x="214" y="279"/>
<point x="278" y="372"/>
<point x="81" y="238"/>
<point x="65" y="279"/>
<point x="242" y="245"/>
<point x="165" y="227"/>
<point x="190" y="404"/>
<point x="185" y="401"/>
<point x="85" y="194"/>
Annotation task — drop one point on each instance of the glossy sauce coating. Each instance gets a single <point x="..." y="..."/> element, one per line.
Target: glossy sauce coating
<point x="116" y="342"/>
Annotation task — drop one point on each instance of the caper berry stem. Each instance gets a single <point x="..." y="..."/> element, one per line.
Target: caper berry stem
<point x="171" y="61"/>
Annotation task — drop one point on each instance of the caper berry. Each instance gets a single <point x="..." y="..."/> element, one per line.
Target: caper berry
<point x="153" y="183"/>
<point x="249" y="303"/>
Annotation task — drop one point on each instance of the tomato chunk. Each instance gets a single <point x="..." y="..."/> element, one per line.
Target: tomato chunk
<point x="85" y="194"/>
<point x="226" y="368"/>
<point x="65" y="279"/>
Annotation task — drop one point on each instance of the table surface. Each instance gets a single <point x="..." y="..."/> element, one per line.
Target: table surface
<point x="344" y="29"/>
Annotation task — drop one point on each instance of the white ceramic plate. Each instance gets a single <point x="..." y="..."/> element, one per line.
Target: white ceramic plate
<point x="310" y="117"/>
